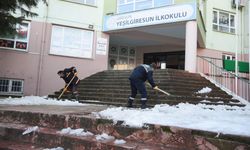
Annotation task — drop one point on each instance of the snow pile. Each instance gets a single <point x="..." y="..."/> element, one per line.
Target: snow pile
<point x="76" y="132"/>
<point x="204" y="90"/>
<point x="118" y="142"/>
<point x="36" y="100"/>
<point x="221" y="119"/>
<point x="30" y="129"/>
<point x="104" y="136"/>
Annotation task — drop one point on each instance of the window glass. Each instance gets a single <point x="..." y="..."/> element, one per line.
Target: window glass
<point x="232" y="24"/>
<point x="158" y="3"/>
<point x="143" y="4"/>
<point x="4" y="85"/>
<point x="16" y="86"/>
<point x="126" y="8"/>
<point x="215" y="16"/>
<point x="223" y="21"/>
<point x="91" y="2"/>
<point x="18" y="41"/>
<point x="73" y="42"/>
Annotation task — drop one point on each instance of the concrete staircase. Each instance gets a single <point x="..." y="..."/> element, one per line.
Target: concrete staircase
<point x="112" y="87"/>
<point x="51" y="119"/>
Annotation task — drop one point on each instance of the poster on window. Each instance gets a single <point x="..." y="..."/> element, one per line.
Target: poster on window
<point x="101" y="47"/>
<point x="72" y="42"/>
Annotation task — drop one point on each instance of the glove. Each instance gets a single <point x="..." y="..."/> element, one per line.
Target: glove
<point x="155" y="88"/>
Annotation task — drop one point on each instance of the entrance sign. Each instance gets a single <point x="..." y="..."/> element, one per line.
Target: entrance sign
<point x="168" y="14"/>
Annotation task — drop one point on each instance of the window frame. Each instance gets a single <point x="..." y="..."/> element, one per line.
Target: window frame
<point x="134" y="5"/>
<point x="10" y="86"/>
<point x="54" y="51"/>
<point x="217" y="24"/>
<point x="15" y="40"/>
<point x="84" y="2"/>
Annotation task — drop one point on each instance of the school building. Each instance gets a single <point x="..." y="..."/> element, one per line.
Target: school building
<point x="96" y="35"/>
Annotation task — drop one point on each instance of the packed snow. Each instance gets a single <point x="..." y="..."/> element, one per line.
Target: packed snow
<point x="118" y="142"/>
<point x="104" y="136"/>
<point x="204" y="90"/>
<point x="57" y="148"/>
<point x="76" y="132"/>
<point x="220" y="119"/>
<point x="36" y="100"/>
<point x="30" y="129"/>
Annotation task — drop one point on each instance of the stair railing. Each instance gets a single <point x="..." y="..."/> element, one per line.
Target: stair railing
<point x="212" y="69"/>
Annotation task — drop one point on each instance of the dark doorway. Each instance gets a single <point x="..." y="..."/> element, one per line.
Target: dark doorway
<point x="174" y="60"/>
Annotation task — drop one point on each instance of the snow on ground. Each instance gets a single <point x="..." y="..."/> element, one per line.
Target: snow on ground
<point x="30" y="129"/>
<point x="220" y="119"/>
<point x="36" y="100"/>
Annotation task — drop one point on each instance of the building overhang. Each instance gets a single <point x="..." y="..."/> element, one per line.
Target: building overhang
<point x="156" y="16"/>
<point x="158" y="26"/>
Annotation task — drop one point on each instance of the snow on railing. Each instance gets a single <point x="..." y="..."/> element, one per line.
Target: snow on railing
<point x="213" y="70"/>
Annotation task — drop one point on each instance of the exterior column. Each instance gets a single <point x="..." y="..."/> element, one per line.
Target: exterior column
<point x="191" y="46"/>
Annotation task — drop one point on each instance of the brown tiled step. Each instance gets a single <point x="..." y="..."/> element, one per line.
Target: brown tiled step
<point x="174" y="90"/>
<point x="179" y="92"/>
<point x="51" y="138"/>
<point x="13" y="145"/>
<point x="151" y="102"/>
<point x="156" y="78"/>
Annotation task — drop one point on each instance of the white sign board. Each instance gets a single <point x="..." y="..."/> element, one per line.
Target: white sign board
<point x="101" y="47"/>
<point x="168" y="14"/>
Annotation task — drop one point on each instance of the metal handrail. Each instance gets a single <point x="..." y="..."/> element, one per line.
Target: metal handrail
<point x="225" y="79"/>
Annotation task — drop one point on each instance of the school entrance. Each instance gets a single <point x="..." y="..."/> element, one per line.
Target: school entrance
<point x="163" y="60"/>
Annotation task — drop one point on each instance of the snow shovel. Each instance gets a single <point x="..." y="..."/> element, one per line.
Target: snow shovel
<point x="65" y="88"/>
<point x="158" y="89"/>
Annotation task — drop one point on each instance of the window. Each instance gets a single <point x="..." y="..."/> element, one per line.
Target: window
<point x="228" y="57"/>
<point x="223" y="21"/>
<point x="18" y="41"/>
<point x="132" y="5"/>
<point x="73" y="42"/>
<point x="11" y="86"/>
<point x="87" y="2"/>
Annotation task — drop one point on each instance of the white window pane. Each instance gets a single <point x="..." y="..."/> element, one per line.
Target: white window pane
<point x="215" y="15"/>
<point x="232" y="21"/>
<point x="223" y="29"/>
<point x="121" y="2"/>
<point x="215" y="27"/>
<point x="91" y="2"/>
<point x="158" y="3"/>
<point x="126" y="8"/>
<point x="143" y="5"/>
<point x="224" y="19"/>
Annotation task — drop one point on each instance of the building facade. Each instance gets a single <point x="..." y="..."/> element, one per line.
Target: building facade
<point x="96" y="35"/>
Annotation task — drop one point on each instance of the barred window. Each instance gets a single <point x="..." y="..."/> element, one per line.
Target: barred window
<point x="87" y="2"/>
<point x="11" y="86"/>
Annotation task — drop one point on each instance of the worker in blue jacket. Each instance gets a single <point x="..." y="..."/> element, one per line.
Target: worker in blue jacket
<point x="67" y="75"/>
<point x="137" y="79"/>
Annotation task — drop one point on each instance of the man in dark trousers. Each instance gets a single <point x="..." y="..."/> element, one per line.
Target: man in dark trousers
<point x="137" y="79"/>
<point x="67" y="75"/>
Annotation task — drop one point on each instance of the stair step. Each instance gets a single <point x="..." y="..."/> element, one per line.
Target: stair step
<point x="51" y="138"/>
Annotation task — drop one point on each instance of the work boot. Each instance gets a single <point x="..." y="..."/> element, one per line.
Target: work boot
<point x="77" y="97"/>
<point x="130" y="103"/>
<point x="143" y="104"/>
